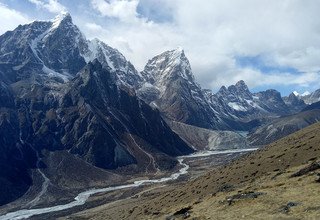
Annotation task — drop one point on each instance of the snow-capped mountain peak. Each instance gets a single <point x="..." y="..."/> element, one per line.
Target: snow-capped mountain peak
<point x="62" y="17"/>
<point x="114" y="60"/>
<point x="302" y="94"/>
<point x="238" y="92"/>
<point x="241" y="85"/>
<point x="60" y="50"/>
<point x="310" y="97"/>
<point x="177" y="53"/>
<point x="305" y="93"/>
<point x="296" y="93"/>
<point x="167" y="65"/>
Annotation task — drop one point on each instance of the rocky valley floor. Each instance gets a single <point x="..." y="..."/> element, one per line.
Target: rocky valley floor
<point x="198" y="165"/>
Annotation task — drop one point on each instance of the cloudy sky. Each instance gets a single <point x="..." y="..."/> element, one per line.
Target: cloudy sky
<point x="267" y="43"/>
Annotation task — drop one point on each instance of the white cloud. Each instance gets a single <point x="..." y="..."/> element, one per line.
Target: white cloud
<point x="94" y="27"/>
<point x="52" y="6"/>
<point x="305" y="59"/>
<point x="125" y="10"/>
<point x="10" y="18"/>
<point x="214" y="32"/>
<point x="255" y="78"/>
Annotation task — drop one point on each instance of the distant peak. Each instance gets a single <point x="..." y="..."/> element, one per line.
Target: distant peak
<point x="295" y="93"/>
<point x="305" y="93"/>
<point x="174" y="55"/>
<point x="241" y="84"/>
<point x="63" y="16"/>
<point x="96" y="40"/>
<point x="301" y="95"/>
<point x="223" y="89"/>
<point x="179" y="49"/>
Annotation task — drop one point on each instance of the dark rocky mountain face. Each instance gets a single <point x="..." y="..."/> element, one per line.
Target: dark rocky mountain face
<point x="92" y="117"/>
<point x="45" y="105"/>
<point x="272" y="102"/>
<point x="312" y="106"/>
<point x="14" y="177"/>
<point x="120" y="117"/>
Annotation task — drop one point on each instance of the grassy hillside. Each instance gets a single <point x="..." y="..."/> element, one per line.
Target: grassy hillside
<point x="256" y="186"/>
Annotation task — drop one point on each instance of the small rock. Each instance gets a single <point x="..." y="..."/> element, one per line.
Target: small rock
<point x="225" y="188"/>
<point x="287" y="207"/>
<point x="240" y="196"/>
<point x="186" y="215"/>
<point x="312" y="167"/>
<point x="182" y="211"/>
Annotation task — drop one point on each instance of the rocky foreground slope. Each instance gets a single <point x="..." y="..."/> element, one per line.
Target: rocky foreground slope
<point x="279" y="181"/>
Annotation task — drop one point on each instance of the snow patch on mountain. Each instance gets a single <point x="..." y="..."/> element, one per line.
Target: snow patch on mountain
<point x="236" y="106"/>
<point x="66" y="77"/>
<point x="305" y="93"/>
<point x="58" y="19"/>
<point x="302" y="94"/>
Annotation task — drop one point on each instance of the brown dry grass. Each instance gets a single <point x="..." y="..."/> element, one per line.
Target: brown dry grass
<point x="265" y="170"/>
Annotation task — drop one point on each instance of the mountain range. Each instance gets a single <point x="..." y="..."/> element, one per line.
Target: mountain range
<point x="53" y="98"/>
<point x="60" y="92"/>
<point x="170" y="86"/>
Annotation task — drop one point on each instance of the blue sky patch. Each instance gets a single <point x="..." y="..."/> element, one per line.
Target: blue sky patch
<point x="261" y="63"/>
<point x="155" y="10"/>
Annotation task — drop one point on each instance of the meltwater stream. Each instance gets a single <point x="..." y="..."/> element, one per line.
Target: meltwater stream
<point x="83" y="197"/>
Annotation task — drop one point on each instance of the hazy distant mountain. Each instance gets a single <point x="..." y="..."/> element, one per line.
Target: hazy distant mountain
<point x="312" y="97"/>
<point x="283" y="126"/>
<point x="241" y="103"/>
